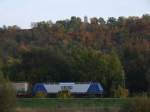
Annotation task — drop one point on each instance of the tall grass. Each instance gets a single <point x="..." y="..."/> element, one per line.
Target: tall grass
<point x="71" y="102"/>
<point x="90" y="109"/>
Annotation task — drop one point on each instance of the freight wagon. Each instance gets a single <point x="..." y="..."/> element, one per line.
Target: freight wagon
<point x="21" y="88"/>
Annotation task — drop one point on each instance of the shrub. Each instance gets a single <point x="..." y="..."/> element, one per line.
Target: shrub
<point x="7" y="96"/>
<point x="139" y="104"/>
<point x="64" y="94"/>
<point x="41" y="94"/>
<point x="121" y="92"/>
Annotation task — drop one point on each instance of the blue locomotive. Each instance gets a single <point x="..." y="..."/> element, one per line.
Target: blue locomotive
<point x="91" y="88"/>
<point x="73" y="88"/>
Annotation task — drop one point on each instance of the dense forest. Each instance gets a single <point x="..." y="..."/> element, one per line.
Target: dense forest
<point x="115" y="52"/>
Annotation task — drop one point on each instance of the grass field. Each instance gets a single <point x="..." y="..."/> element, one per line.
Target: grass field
<point x="70" y="103"/>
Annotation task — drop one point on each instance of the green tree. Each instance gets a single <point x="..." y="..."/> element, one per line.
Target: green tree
<point x="92" y="65"/>
<point x="45" y="65"/>
<point x="114" y="74"/>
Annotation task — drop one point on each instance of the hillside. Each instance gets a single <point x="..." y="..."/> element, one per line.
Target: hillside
<point x="115" y="52"/>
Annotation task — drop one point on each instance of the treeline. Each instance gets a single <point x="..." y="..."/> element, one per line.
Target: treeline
<point x="115" y="52"/>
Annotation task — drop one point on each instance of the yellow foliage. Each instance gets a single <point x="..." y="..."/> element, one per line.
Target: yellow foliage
<point x="41" y="95"/>
<point x="64" y="94"/>
<point x="121" y="92"/>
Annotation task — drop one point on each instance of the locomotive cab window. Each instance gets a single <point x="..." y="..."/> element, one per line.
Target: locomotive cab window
<point x="66" y="87"/>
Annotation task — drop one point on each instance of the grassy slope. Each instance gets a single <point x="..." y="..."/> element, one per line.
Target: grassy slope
<point x="56" y="103"/>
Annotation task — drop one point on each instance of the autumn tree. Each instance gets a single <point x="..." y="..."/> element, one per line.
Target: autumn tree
<point x="7" y="95"/>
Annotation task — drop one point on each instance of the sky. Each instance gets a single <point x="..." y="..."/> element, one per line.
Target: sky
<point x="23" y="12"/>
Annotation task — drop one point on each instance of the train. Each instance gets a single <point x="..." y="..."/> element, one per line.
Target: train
<point x="21" y="88"/>
<point x="82" y="89"/>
